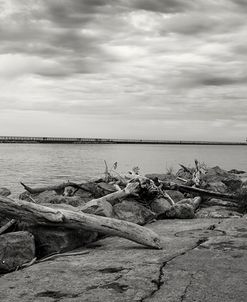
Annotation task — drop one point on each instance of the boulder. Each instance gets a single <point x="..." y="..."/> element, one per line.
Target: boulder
<point x="175" y="195"/>
<point x="133" y="211"/>
<point x="217" y="186"/>
<point x="181" y="211"/>
<point x="235" y="171"/>
<point x="215" y="176"/>
<point x="160" y="205"/>
<point x="233" y="185"/>
<point x="4" y="192"/>
<point x="50" y="240"/>
<point x="98" y="207"/>
<point x="16" y="249"/>
<point x="217" y="212"/>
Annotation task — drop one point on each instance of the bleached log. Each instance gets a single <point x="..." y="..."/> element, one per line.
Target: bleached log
<point x="132" y="188"/>
<point x="40" y="215"/>
<point x="60" y="187"/>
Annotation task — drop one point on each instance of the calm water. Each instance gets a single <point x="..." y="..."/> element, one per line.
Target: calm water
<point x="37" y="164"/>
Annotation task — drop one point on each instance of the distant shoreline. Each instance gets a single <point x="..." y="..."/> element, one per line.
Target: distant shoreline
<point x="67" y="140"/>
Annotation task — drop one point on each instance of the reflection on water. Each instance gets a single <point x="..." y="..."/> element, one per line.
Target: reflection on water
<point x="53" y="163"/>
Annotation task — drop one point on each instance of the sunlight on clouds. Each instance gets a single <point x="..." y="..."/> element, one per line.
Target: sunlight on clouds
<point x="177" y="66"/>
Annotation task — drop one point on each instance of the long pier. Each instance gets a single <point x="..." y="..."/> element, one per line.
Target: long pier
<point x="79" y="140"/>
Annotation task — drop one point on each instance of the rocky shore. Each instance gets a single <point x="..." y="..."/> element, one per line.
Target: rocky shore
<point x="198" y="215"/>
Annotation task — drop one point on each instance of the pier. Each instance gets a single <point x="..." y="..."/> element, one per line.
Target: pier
<point x="71" y="140"/>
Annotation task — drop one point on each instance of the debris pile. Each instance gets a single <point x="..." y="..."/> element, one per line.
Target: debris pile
<point x="54" y="219"/>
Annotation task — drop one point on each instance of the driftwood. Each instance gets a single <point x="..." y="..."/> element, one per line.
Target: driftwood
<point x="132" y="188"/>
<point x="7" y="225"/>
<point x="60" y="187"/>
<point x="185" y="169"/>
<point x="41" y="215"/>
<point x="198" y="191"/>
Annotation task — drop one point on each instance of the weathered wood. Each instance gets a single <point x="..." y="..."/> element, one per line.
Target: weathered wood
<point x="198" y="191"/>
<point x="55" y="187"/>
<point x="7" y="225"/>
<point x="41" y="215"/>
<point x="185" y="169"/>
<point x="132" y="188"/>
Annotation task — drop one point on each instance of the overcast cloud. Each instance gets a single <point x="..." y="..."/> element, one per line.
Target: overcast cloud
<point x="162" y="69"/>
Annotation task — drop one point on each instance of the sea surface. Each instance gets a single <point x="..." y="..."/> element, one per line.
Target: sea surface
<point x="40" y="164"/>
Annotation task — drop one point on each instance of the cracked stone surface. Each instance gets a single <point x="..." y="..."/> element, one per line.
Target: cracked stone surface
<point x="201" y="260"/>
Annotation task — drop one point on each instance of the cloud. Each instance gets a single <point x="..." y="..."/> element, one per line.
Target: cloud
<point x="142" y="61"/>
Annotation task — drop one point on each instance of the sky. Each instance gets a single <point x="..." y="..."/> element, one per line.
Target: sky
<point x="146" y="69"/>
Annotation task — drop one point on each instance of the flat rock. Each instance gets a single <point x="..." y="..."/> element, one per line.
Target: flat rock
<point x="202" y="260"/>
<point x="16" y="249"/>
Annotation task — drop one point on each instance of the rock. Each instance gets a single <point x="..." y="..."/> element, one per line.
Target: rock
<point x="175" y="195"/>
<point x="4" y="192"/>
<point x="217" y="212"/>
<point x="233" y="185"/>
<point x="215" y="176"/>
<point x="16" y="249"/>
<point x="133" y="211"/>
<point x="160" y="205"/>
<point x="117" y="270"/>
<point x="49" y="240"/>
<point x="217" y="186"/>
<point x="181" y="211"/>
<point x="235" y="171"/>
<point x="98" y="207"/>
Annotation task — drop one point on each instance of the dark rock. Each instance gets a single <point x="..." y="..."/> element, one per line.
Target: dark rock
<point x="181" y="211"/>
<point x="49" y="240"/>
<point x="233" y="185"/>
<point x="16" y="249"/>
<point x="134" y="212"/>
<point x="4" y="192"/>
<point x="160" y="206"/>
<point x="235" y="171"/>
<point x="217" y="212"/>
<point x="175" y="195"/>
<point x="217" y="186"/>
<point x="101" y="208"/>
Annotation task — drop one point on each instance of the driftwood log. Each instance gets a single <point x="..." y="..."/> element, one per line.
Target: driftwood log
<point x="202" y="192"/>
<point x="60" y="187"/>
<point x="41" y="215"/>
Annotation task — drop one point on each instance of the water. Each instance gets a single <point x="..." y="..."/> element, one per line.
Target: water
<point x="39" y="164"/>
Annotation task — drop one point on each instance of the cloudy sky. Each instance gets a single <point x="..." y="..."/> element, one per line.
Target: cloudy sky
<point x="155" y="69"/>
